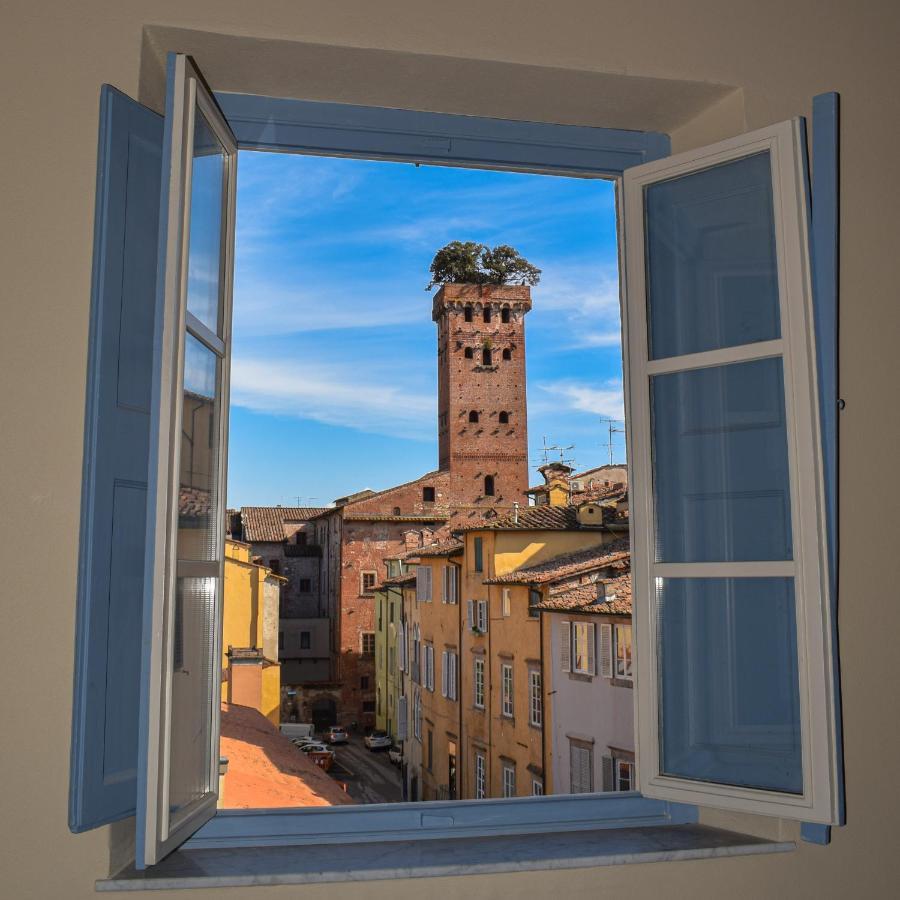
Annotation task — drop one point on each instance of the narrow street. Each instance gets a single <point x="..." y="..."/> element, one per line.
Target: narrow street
<point x="370" y="777"/>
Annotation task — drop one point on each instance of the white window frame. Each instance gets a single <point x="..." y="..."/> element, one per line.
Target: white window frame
<point x="590" y="641"/>
<point x="480" y="776"/>
<point x="478" y="682"/>
<point x="820" y="800"/>
<point x="509" y="780"/>
<point x="535" y="699"/>
<point x="373" y="574"/>
<point x="537" y="787"/>
<point x="626" y="663"/>
<point x="507" y="691"/>
<point x="617" y="777"/>
<point x="481" y="616"/>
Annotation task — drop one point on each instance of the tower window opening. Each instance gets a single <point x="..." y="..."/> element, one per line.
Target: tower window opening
<point x="504" y="418"/>
<point x="467" y="314"/>
<point x="487" y="314"/>
<point x="428" y="494"/>
<point x="488" y="485"/>
<point x="486" y="357"/>
<point x="507" y="354"/>
<point x="504" y="315"/>
<point x="473" y="416"/>
<point x="468" y="353"/>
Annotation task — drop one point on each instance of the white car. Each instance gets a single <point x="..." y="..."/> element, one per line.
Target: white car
<point x="395" y="754"/>
<point x="378" y="740"/>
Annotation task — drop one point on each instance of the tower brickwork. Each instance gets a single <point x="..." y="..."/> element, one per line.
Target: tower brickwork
<point x="482" y="418"/>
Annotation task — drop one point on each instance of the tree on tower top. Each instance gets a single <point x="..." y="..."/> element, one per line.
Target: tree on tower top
<point x="467" y="262"/>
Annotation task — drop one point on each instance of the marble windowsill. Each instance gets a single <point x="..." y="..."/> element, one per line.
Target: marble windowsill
<point x="421" y="859"/>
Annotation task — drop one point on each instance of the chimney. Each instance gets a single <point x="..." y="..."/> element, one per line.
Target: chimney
<point x="556" y="477"/>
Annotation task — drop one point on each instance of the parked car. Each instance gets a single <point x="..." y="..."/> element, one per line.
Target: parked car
<point x="336" y="735"/>
<point x="395" y="754"/>
<point x="301" y="742"/>
<point x="315" y="747"/>
<point x="378" y="740"/>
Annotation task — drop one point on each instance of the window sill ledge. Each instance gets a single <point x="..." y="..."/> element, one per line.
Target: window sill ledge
<point x="251" y="866"/>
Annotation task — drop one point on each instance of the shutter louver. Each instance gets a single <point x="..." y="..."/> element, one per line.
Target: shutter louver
<point x="608" y="780"/>
<point x="445" y="584"/>
<point x="565" y="646"/>
<point x="592" y="648"/>
<point x="445" y="673"/>
<point x="470" y="613"/>
<point x="401" y="718"/>
<point x="606" y="657"/>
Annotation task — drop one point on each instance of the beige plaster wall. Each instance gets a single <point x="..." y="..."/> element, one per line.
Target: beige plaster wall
<point x="547" y="61"/>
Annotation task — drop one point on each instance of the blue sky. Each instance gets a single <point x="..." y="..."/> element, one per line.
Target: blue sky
<point x="334" y="376"/>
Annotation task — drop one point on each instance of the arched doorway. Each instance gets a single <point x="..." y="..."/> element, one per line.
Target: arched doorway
<point x="324" y="713"/>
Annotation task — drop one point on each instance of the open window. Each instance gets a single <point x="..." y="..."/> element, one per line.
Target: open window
<point x="732" y="656"/>
<point x="734" y="682"/>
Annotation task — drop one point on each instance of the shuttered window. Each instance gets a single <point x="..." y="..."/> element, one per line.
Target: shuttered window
<point x="583" y="650"/>
<point x="506" y="690"/>
<point x="565" y="646"/>
<point x="450" y="579"/>
<point x="423" y="584"/>
<point x="622" y="635"/>
<point x="445" y="673"/>
<point x="480" y="777"/>
<point x="581" y="768"/>
<point x="478" y="681"/>
<point x="535" y="699"/>
<point x="509" y="781"/>
<point x="402" y="715"/>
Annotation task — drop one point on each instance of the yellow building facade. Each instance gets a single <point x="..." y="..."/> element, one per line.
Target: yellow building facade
<point x="250" y="668"/>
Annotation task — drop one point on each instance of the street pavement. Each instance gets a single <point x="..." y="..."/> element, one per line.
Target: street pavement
<point x="370" y="777"/>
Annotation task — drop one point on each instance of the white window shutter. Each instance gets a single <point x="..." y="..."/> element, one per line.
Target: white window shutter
<point x="445" y="673"/>
<point x="401" y="719"/>
<point x="428" y="585"/>
<point x="565" y="646"/>
<point x="445" y="579"/>
<point x="609" y="783"/>
<point x="470" y="613"/>
<point x="454" y="675"/>
<point x="430" y="666"/>
<point x="592" y="648"/>
<point x="606" y="656"/>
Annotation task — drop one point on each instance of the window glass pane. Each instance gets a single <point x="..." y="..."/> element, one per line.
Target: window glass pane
<point x="205" y="242"/>
<point x="720" y="465"/>
<point x="729" y="695"/>
<point x="194" y="680"/>
<point x="198" y="519"/>
<point x="712" y="279"/>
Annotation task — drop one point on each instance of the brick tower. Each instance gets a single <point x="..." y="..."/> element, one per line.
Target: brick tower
<point x="482" y="418"/>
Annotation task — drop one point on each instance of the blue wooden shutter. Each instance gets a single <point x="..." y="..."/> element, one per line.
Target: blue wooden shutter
<point x="116" y="446"/>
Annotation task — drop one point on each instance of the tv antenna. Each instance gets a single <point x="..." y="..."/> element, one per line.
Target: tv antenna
<point x="549" y="450"/>
<point x="611" y="427"/>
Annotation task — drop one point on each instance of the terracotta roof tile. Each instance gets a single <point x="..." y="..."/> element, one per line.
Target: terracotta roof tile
<point x="438" y="548"/>
<point x="266" y="523"/>
<point x="588" y="598"/>
<point x="536" y="518"/>
<point x="568" y="564"/>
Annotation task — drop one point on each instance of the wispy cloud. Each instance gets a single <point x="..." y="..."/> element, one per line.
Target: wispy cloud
<point x="604" y="399"/>
<point x="377" y="401"/>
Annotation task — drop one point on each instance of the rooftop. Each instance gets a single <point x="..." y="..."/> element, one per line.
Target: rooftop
<point x="609" y="596"/>
<point x="438" y="548"/>
<point x="266" y="523"/>
<point x="569" y="564"/>
<point x="536" y="518"/>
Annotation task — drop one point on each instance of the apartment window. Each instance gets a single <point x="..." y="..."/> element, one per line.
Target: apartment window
<point x="417" y="716"/>
<point x="397" y="511"/>
<point x="305" y="640"/>
<point x="505" y="602"/>
<point x="449" y="674"/>
<point x="473" y="416"/>
<point x="486" y="314"/>
<point x="622" y="634"/>
<point x="363" y="682"/>
<point x="478" y="548"/>
<point x="423" y="584"/>
<point x="504" y="315"/>
<point x="577" y="646"/>
<point x="304" y="585"/>
<point x="488" y="485"/>
<point x="367" y="582"/>
<point x="503" y="418"/>
<point x="506" y="690"/>
<point x="429" y="667"/>
<point x="480" y="777"/>
<point x="581" y="767"/>
<point x="468" y="353"/>
<point x="478" y="615"/>
<point x="467" y="314"/>
<point x="275" y="566"/>
<point x="537" y="787"/>
<point x="367" y="643"/>
<point x="535" y="699"/>
<point x="534" y="599"/>
<point x="428" y="495"/>
<point x="509" y="781"/>
<point x="478" y="681"/>
<point x="368" y="706"/>
<point x="624" y="775"/>
<point x="486" y="356"/>
<point x="450" y="584"/>
<point x="507" y="354"/>
<point x="393" y="568"/>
